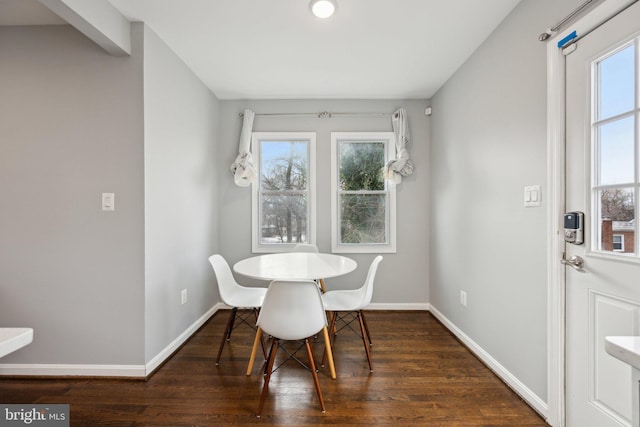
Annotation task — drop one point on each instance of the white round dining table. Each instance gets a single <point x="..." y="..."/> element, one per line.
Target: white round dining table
<point x="295" y="266"/>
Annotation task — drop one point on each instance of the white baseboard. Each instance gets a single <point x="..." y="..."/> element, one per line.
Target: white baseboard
<point x="56" y="370"/>
<point x="514" y="383"/>
<point x="409" y="307"/>
<point x="128" y="371"/>
<point x="159" y="358"/>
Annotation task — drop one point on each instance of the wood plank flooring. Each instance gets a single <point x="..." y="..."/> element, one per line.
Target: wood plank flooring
<point x="422" y="377"/>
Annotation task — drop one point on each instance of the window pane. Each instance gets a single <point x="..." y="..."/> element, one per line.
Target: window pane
<point x="361" y="166"/>
<point x="284" y="165"/>
<point x="283" y="218"/>
<point x="363" y="218"/>
<point x="618" y="242"/>
<point x="617" y="220"/>
<point x="616" y="89"/>
<point x="616" y="152"/>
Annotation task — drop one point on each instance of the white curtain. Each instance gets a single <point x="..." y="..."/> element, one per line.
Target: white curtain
<point x="243" y="169"/>
<point x="401" y="166"/>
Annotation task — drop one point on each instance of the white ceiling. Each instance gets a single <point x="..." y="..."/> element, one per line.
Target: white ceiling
<point x="275" y="49"/>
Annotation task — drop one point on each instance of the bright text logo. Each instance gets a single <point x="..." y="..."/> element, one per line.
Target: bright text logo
<point x="36" y="415"/>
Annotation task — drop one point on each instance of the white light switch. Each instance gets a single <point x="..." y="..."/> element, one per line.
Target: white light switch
<point x="532" y="196"/>
<point x="108" y="202"/>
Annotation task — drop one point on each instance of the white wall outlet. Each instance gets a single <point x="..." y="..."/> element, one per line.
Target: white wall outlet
<point x="463" y="298"/>
<point x="108" y="202"/>
<point x="183" y="296"/>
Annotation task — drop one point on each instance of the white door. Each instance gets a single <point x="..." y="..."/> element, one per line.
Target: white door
<point x="602" y="176"/>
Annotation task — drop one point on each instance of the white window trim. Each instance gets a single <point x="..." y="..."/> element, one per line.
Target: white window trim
<point x="389" y="247"/>
<point x="256" y="137"/>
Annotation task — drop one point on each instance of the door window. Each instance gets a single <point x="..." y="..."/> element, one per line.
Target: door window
<point x="615" y="168"/>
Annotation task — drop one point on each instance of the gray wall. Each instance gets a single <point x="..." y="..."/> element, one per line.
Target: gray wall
<point x="103" y="288"/>
<point x="402" y="278"/>
<point x="71" y="119"/>
<point x="181" y="212"/>
<point x="488" y="142"/>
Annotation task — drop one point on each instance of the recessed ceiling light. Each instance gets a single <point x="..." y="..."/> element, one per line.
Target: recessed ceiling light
<point x="323" y="8"/>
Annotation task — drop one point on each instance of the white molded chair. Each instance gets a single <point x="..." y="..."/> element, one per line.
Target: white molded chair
<point x="235" y="296"/>
<point x="310" y="247"/>
<point x="291" y="311"/>
<point x="352" y="302"/>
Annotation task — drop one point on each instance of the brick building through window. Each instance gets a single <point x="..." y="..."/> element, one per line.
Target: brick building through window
<point x="618" y="236"/>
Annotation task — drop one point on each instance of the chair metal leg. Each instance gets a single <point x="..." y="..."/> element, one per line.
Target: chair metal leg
<point x="312" y="363"/>
<point x="265" y="387"/>
<point x="227" y="334"/>
<point x="364" y="340"/>
<point x="366" y="327"/>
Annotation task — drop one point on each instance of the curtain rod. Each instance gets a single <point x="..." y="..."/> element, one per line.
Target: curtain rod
<point x="549" y="32"/>
<point x="320" y="115"/>
<point x="576" y="39"/>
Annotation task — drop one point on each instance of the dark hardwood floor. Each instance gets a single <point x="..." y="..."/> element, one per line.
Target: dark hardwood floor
<point x="422" y="377"/>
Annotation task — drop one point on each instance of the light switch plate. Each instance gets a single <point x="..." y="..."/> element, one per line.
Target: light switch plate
<point x="532" y="196"/>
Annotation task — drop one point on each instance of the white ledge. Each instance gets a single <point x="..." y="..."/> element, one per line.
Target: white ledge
<point x="626" y="349"/>
<point x="12" y="339"/>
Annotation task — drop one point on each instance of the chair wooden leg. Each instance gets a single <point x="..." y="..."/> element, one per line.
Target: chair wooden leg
<point x="256" y="312"/>
<point x="227" y="334"/>
<point x="327" y="349"/>
<point x="255" y="349"/>
<point x="332" y="325"/>
<point x="234" y="312"/>
<point x="312" y="363"/>
<point x="364" y="340"/>
<point x="324" y="289"/>
<point x="265" y="387"/>
<point x="366" y="327"/>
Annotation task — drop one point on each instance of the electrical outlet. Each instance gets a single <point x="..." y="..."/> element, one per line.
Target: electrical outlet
<point x="183" y="296"/>
<point x="463" y="298"/>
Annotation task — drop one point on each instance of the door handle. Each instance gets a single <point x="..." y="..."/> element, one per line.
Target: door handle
<point x="576" y="262"/>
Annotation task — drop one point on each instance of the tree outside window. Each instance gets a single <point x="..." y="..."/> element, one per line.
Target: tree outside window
<point x="283" y="195"/>
<point x="363" y="214"/>
<point x="363" y="197"/>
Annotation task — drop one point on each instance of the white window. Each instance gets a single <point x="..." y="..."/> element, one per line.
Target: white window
<point x="615" y="146"/>
<point x="618" y="242"/>
<point x="363" y="204"/>
<point x="283" y="198"/>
